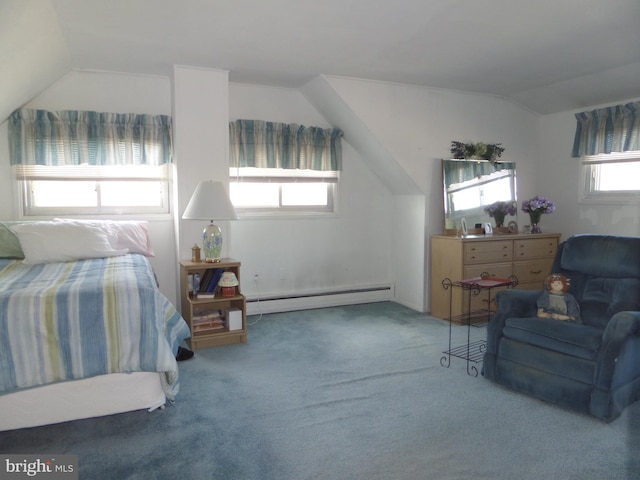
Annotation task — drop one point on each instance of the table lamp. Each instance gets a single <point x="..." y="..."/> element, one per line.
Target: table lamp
<point x="210" y="201"/>
<point x="228" y="284"/>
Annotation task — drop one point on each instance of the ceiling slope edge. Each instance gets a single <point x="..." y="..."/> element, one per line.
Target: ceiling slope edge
<point x="36" y="54"/>
<point x="333" y="107"/>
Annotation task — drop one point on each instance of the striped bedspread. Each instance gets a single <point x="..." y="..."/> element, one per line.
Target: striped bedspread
<point x="67" y="321"/>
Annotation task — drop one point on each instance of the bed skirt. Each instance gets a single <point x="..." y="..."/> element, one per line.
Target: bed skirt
<point x="86" y="398"/>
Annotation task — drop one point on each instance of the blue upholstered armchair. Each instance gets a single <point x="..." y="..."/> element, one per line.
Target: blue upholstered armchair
<point x="593" y="367"/>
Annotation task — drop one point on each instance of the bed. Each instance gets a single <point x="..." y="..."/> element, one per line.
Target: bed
<point x="82" y="337"/>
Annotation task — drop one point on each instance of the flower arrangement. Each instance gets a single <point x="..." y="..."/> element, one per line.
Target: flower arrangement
<point x="499" y="210"/>
<point x="486" y="151"/>
<point x="535" y="207"/>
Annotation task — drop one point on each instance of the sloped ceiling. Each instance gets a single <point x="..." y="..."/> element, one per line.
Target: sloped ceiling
<point x="550" y="55"/>
<point x="33" y="52"/>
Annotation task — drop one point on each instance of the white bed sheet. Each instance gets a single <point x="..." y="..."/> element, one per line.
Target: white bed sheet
<point x="86" y="398"/>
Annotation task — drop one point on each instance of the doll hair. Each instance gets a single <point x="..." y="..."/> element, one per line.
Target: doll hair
<point x="555" y="277"/>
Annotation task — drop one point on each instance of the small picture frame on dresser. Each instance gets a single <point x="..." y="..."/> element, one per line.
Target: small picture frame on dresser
<point x="488" y="229"/>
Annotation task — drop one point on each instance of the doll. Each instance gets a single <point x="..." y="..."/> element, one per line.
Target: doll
<point x="556" y="303"/>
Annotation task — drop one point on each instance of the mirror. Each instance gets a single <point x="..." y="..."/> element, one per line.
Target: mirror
<point x="472" y="185"/>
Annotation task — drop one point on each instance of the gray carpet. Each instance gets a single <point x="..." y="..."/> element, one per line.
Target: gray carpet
<point x="352" y="392"/>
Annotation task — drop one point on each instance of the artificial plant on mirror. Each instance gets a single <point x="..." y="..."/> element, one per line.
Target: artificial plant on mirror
<point x="484" y="151"/>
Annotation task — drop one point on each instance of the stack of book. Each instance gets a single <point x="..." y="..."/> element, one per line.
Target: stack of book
<point x="209" y="283"/>
<point x="207" y="321"/>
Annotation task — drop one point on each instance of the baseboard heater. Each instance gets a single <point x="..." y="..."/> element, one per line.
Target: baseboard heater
<point x="319" y="299"/>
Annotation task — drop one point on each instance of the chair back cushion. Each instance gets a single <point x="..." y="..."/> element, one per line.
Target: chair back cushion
<point x="605" y="274"/>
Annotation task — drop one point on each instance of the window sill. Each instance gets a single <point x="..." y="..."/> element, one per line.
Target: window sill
<point x="608" y="199"/>
<point x="281" y="215"/>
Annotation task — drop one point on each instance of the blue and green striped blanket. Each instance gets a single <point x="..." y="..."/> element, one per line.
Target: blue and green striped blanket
<point x="73" y="320"/>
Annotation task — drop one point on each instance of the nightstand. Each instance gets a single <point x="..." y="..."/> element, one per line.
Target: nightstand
<point x="214" y="319"/>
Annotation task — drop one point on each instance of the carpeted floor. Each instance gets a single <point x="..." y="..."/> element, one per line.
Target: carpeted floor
<point x="352" y="392"/>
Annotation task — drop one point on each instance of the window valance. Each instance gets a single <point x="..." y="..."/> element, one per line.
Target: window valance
<point x="261" y="144"/>
<point x="40" y="137"/>
<point x="606" y="130"/>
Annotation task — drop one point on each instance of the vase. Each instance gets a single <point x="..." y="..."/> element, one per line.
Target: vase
<point x="535" y="221"/>
<point x="499" y="220"/>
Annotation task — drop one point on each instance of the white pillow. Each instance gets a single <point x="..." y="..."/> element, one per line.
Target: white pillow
<point x="134" y="235"/>
<point x="49" y="242"/>
<point x="130" y="234"/>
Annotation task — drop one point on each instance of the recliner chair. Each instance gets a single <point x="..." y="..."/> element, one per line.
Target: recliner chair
<point x="593" y="367"/>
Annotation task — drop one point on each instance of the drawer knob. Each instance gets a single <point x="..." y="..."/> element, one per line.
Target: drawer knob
<point x="536" y="272"/>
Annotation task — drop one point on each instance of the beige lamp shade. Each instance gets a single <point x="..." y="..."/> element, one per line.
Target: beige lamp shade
<point x="228" y="279"/>
<point x="210" y="201"/>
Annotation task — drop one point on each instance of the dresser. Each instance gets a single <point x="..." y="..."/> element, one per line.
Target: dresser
<point x="527" y="256"/>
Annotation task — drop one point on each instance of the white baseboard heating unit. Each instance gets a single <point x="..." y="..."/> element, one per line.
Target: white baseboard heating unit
<point x="318" y="299"/>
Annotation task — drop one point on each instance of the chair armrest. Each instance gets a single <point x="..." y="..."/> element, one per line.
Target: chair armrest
<point x="619" y="330"/>
<point x="511" y="303"/>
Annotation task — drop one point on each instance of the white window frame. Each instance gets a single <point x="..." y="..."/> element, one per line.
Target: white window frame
<point x="25" y="175"/>
<point x="590" y="166"/>
<point x="280" y="178"/>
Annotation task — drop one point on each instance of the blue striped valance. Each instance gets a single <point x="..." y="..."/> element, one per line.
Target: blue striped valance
<point x="260" y="144"/>
<point x="40" y="137"/>
<point x="606" y="130"/>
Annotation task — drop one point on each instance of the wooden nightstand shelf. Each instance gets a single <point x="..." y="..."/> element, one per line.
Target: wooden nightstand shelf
<point x="201" y="314"/>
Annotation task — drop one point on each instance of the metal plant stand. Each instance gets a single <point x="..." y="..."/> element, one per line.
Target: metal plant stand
<point x="472" y="351"/>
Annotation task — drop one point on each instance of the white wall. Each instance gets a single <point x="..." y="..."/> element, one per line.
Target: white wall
<point x="418" y="125"/>
<point x="312" y="254"/>
<point x="108" y="92"/>
<point x="347" y="250"/>
<point x="201" y="143"/>
<point x="367" y="241"/>
<point x="559" y="178"/>
<point x="6" y="181"/>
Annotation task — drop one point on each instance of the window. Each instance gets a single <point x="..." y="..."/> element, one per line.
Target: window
<point x="607" y="140"/>
<point x="283" y="168"/>
<point x="277" y="190"/>
<point x="71" y="162"/>
<point x="611" y="177"/>
<point x="84" y="189"/>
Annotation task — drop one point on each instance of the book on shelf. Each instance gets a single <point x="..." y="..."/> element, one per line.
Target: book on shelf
<point x="207" y="327"/>
<point x="209" y="282"/>
<point x="201" y="295"/>
<point x="205" y="314"/>
<point x="206" y="321"/>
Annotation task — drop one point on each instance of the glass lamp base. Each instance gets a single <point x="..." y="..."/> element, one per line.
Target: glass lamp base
<point x="212" y="243"/>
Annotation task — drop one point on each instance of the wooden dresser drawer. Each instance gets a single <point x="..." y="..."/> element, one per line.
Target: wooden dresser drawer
<point x="535" y="248"/>
<point x="488" y="252"/>
<point x="533" y="271"/>
<point x="502" y="270"/>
